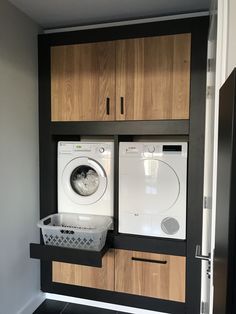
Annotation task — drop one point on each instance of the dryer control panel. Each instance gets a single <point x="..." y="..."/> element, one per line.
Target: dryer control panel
<point x="139" y="148"/>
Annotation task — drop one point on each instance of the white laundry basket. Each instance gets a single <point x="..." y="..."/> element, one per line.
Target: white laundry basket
<point x="85" y="232"/>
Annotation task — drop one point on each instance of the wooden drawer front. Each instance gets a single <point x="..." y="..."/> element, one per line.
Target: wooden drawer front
<point x="152" y="275"/>
<point x="93" y="277"/>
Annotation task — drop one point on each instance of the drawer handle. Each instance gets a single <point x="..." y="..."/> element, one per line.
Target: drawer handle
<point x="108" y="105"/>
<point x="146" y="260"/>
<point x="121" y="105"/>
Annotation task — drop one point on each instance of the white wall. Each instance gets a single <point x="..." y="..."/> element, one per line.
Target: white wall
<point x="231" y="51"/>
<point x="19" y="199"/>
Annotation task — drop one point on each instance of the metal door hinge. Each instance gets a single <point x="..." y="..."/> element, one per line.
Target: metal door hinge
<point x="204" y="308"/>
<point x="199" y="255"/>
<point x="210" y="91"/>
<point x="207" y="202"/>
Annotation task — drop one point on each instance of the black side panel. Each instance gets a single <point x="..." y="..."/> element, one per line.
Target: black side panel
<point x="196" y="164"/>
<point x="67" y="255"/>
<point x="224" y="260"/>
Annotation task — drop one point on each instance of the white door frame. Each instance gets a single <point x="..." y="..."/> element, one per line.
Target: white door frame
<point x="219" y="10"/>
<point x="221" y="75"/>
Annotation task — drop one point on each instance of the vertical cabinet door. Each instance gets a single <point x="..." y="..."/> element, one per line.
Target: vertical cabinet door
<point x="86" y="276"/>
<point x="152" y="275"/>
<point x="83" y="82"/>
<point x="153" y="78"/>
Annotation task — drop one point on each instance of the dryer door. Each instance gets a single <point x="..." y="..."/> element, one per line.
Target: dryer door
<point x="84" y="180"/>
<point x="148" y="186"/>
<point x="149" y="191"/>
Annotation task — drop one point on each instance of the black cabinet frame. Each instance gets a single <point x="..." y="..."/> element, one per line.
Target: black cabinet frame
<point x="192" y="130"/>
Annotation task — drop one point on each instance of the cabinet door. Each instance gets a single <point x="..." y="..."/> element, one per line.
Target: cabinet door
<point x="79" y="275"/>
<point x="83" y="82"/>
<point x="149" y="274"/>
<point x="153" y="78"/>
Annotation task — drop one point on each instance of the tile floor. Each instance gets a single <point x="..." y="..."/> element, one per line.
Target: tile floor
<point x="57" y="307"/>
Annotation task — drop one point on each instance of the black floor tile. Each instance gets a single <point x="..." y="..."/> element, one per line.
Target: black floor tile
<point x="82" y="309"/>
<point x="57" y="307"/>
<point x="51" y="307"/>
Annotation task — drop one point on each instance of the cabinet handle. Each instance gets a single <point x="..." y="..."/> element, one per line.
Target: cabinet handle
<point x="121" y="105"/>
<point x="108" y="105"/>
<point x="146" y="260"/>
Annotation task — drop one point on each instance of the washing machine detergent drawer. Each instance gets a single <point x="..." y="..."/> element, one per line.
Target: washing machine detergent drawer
<point x="152" y="192"/>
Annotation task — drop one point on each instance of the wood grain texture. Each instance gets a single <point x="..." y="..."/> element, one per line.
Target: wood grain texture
<point x="93" y="277"/>
<point x="164" y="281"/>
<point x="82" y="78"/>
<point x="153" y="76"/>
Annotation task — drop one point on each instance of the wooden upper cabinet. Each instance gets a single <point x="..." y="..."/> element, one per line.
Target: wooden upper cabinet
<point x="132" y="79"/>
<point x="150" y="274"/>
<point x="153" y="78"/>
<point x="83" y="82"/>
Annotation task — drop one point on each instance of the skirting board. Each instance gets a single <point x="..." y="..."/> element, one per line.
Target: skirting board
<point x="103" y="305"/>
<point x="33" y="304"/>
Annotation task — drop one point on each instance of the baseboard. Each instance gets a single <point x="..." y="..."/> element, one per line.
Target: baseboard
<point x="33" y="304"/>
<point x="103" y="305"/>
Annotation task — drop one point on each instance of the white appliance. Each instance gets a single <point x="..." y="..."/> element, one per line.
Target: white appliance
<point x="85" y="177"/>
<point x="152" y="189"/>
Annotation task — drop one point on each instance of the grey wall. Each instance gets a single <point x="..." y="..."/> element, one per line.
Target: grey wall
<point x="19" y="212"/>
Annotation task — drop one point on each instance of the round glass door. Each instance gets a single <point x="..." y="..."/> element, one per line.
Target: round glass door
<point x="84" y="180"/>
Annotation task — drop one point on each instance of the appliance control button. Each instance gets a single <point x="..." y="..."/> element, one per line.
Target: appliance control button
<point x="151" y="149"/>
<point x="101" y="149"/>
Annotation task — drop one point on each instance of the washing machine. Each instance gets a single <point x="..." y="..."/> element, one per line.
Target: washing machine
<point x="152" y="189"/>
<point x="85" y="177"/>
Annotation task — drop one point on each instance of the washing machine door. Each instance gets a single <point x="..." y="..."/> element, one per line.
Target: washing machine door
<point x="84" y="180"/>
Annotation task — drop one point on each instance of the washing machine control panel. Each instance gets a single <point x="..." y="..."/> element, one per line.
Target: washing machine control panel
<point x="67" y="148"/>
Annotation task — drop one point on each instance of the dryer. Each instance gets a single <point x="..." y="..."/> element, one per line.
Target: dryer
<point x="85" y="177"/>
<point x="152" y="189"/>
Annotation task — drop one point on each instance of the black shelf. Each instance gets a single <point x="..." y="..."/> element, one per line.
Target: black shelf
<point x="162" y="127"/>
<point x="149" y="244"/>
<point x="67" y="255"/>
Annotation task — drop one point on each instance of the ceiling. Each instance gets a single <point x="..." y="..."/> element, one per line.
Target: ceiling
<point x="61" y="13"/>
